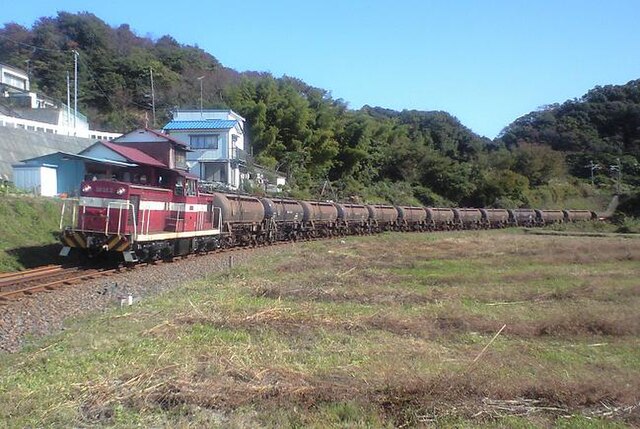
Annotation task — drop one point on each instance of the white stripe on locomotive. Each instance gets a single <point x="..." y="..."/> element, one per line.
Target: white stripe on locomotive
<point x="96" y="202"/>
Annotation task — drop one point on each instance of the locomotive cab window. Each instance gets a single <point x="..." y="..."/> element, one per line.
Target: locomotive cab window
<point x="179" y="189"/>
<point x="191" y="187"/>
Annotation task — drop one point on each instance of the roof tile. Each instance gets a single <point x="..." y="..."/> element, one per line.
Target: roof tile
<point x="133" y="154"/>
<point x="205" y="124"/>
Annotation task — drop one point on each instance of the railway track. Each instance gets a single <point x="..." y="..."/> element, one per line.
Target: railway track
<point x="51" y="277"/>
<point x="45" y="279"/>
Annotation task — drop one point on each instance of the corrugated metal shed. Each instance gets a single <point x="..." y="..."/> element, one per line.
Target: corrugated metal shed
<point x="41" y="179"/>
<point x="71" y="168"/>
<point x="208" y="124"/>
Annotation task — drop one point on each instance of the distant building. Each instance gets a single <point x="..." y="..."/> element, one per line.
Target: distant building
<point x="23" y="108"/>
<point x="267" y="179"/>
<point x="216" y="140"/>
<point x="57" y="173"/>
<point x="163" y="147"/>
<point x="14" y="78"/>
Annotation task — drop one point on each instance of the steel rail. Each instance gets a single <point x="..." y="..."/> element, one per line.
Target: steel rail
<point x="30" y="290"/>
<point x="20" y="275"/>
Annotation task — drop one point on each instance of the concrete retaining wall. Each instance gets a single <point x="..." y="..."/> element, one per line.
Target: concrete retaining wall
<point x="18" y="144"/>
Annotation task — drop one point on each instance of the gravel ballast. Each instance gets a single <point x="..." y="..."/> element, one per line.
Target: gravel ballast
<point x="44" y="313"/>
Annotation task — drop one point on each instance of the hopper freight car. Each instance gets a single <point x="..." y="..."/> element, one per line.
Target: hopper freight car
<point x="284" y="218"/>
<point x="495" y="218"/>
<point x="523" y="217"/>
<point x="549" y="217"/>
<point x="579" y="215"/>
<point x="320" y="218"/>
<point x="467" y="218"/>
<point x="382" y="217"/>
<point x="439" y="218"/>
<point x="353" y="218"/>
<point x="411" y="218"/>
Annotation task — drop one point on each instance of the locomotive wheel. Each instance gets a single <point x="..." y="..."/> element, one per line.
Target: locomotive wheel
<point x="227" y="242"/>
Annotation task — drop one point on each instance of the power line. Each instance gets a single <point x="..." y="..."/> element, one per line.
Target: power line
<point x="88" y="67"/>
<point x="34" y="46"/>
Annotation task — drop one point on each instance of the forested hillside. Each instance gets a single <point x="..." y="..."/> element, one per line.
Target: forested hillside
<point x="598" y="128"/>
<point x="324" y="146"/>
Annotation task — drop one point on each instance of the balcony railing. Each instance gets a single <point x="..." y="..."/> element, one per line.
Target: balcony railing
<point x="240" y="155"/>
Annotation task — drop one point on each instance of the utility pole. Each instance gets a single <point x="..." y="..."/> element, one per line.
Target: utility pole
<point x="200" y="79"/>
<point x="68" y="103"/>
<point x="75" y="89"/>
<point x="153" y="98"/>
<point x="593" y="166"/>
<point x="617" y="167"/>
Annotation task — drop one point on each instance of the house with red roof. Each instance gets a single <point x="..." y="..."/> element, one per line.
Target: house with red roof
<point x="62" y="172"/>
<point x="163" y="147"/>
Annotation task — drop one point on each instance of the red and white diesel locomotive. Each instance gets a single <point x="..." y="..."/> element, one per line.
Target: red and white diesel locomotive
<point x="141" y="221"/>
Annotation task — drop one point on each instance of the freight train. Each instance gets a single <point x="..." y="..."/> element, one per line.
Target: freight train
<point x="175" y="218"/>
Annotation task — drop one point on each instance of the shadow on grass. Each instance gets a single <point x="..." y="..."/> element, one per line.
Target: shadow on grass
<point x="35" y="256"/>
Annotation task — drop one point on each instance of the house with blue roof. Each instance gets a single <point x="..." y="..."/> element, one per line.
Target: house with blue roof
<point x="216" y="143"/>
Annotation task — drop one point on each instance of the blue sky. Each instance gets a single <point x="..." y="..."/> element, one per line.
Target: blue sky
<point x="485" y="62"/>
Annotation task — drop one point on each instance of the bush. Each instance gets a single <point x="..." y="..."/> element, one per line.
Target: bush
<point x="628" y="225"/>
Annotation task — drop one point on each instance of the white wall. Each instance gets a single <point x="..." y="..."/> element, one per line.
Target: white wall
<point x="196" y="115"/>
<point x="14" y="78"/>
<point x="103" y="152"/>
<point x="205" y="154"/>
<point x="25" y="124"/>
<point x="40" y="180"/>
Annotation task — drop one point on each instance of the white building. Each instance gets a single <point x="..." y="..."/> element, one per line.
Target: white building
<point x="22" y="108"/>
<point x="14" y="78"/>
<point x="216" y="139"/>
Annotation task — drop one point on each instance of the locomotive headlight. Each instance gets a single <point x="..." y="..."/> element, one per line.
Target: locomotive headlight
<point x="120" y="191"/>
<point x="86" y="188"/>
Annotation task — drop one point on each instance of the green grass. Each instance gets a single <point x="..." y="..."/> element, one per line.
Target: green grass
<point x="28" y="231"/>
<point x="377" y="331"/>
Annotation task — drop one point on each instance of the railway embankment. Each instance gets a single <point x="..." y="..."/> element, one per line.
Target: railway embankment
<point x="29" y="229"/>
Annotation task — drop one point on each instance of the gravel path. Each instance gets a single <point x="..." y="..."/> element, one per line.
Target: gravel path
<point x="44" y="313"/>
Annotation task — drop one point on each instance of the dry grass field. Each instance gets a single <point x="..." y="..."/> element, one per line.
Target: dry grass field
<point x="468" y="329"/>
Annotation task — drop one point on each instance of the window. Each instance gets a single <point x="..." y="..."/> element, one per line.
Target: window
<point x="13" y="80"/>
<point x="203" y="141"/>
<point x="179" y="190"/>
<point x="191" y="187"/>
<point x="215" y="172"/>
<point x="181" y="159"/>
